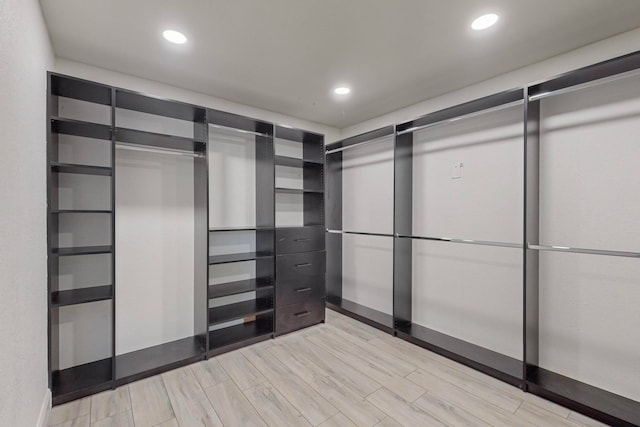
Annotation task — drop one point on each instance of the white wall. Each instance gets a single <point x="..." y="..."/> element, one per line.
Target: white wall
<point x="590" y="54"/>
<point x="26" y="55"/>
<point x="126" y="81"/>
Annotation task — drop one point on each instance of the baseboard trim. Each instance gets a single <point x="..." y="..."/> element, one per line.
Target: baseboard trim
<point x="45" y="410"/>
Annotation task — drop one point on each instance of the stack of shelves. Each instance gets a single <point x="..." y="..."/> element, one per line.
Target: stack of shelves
<point x="300" y="243"/>
<point x="241" y="275"/>
<point x="80" y="223"/>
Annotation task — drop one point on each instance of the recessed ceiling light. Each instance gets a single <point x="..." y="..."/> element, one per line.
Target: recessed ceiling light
<point x="174" y="36"/>
<point x="343" y="90"/>
<point x="485" y="21"/>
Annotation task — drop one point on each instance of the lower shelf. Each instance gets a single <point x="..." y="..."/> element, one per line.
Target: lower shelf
<point x="371" y="317"/>
<point x="81" y="295"/>
<point x="488" y="361"/>
<point x="223" y="339"/>
<point x="595" y="402"/>
<point x="160" y="358"/>
<point x="79" y="381"/>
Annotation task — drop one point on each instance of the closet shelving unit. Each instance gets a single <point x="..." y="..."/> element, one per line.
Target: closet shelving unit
<point x="496" y="364"/>
<point x="600" y="404"/>
<point x="69" y="382"/>
<point x="242" y="322"/>
<point x="165" y="356"/>
<point x="87" y="378"/>
<point x="300" y="244"/>
<point x="595" y="402"/>
<point x="335" y="232"/>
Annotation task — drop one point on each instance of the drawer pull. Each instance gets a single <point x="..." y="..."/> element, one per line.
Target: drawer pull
<point x="301" y="240"/>
<point x="302" y="314"/>
<point x="303" y="289"/>
<point x="306" y="264"/>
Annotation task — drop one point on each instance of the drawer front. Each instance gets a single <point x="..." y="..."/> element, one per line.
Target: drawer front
<point x="297" y="316"/>
<point x="299" y="239"/>
<point x="300" y="269"/>
<point x="295" y="292"/>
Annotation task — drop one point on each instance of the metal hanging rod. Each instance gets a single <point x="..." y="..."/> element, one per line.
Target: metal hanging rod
<point x="464" y="241"/>
<point x="464" y="116"/>
<point x="370" y="141"/>
<point x="250" y="132"/>
<point x="360" y="233"/>
<point x="585" y="85"/>
<point x="584" y="251"/>
<point x="144" y="148"/>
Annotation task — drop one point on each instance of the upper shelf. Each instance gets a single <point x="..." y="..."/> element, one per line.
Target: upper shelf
<point x="232" y="229"/>
<point x="81" y="296"/>
<point x="247" y="256"/>
<point x="160" y="140"/>
<point x="135" y="101"/>
<point x="81" y="169"/>
<point x="297" y="162"/>
<point x="71" y="87"/>
<point x="65" y="126"/>
<point x="297" y="190"/>
<point x="82" y="250"/>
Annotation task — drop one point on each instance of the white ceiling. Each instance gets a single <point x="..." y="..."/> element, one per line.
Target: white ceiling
<point x="287" y="55"/>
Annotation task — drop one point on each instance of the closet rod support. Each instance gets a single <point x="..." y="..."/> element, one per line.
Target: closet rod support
<point x="580" y="86"/>
<point x="464" y="116"/>
<point x="250" y="132"/>
<point x="360" y="233"/>
<point x="371" y="141"/>
<point x="584" y="251"/>
<point x="463" y="241"/>
<point x="135" y="147"/>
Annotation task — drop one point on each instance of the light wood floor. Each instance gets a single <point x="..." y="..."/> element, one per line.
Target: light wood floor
<point x="342" y="373"/>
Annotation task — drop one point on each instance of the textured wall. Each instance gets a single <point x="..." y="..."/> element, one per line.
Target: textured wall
<point x="26" y="54"/>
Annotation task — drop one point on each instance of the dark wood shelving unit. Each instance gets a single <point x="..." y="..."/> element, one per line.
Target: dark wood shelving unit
<point x="81" y="169"/>
<point x="66" y="126"/>
<point x="157" y="359"/>
<point x="158" y="140"/>
<point x="241" y="257"/>
<point x="239" y="287"/>
<point x="79" y="381"/>
<point x="300" y="292"/>
<point x="296" y="162"/>
<point x="240" y="310"/>
<point x="82" y="250"/>
<point x="297" y="190"/>
<point x="81" y="295"/>
<point x="233" y="337"/>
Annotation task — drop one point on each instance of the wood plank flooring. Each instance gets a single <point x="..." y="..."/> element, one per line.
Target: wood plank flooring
<point x="339" y="374"/>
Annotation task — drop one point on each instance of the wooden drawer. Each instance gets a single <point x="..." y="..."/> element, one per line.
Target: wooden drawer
<point x="299" y="239"/>
<point x="295" y="292"/>
<point x="297" y="316"/>
<point x="300" y="269"/>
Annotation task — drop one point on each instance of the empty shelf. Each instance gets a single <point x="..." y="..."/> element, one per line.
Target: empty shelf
<point x="360" y="312"/>
<point x="82" y="250"/>
<point x="159" y="140"/>
<point x="71" y="87"/>
<point x="239" y="333"/>
<point x="228" y="258"/>
<point x="158" y="106"/>
<point x="296" y="162"/>
<point x="79" y="381"/>
<point x="81" y="211"/>
<point x="79" y="128"/>
<point x="239" y="287"/>
<point x="81" y="169"/>
<point x="247" y="228"/>
<point x="240" y="310"/>
<point x="81" y="296"/>
<point x="297" y="190"/>
<point x="156" y="359"/>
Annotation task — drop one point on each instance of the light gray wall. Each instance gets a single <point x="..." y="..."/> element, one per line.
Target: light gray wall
<point x="26" y="55"/>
